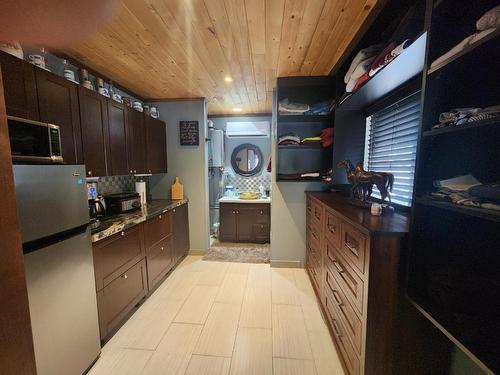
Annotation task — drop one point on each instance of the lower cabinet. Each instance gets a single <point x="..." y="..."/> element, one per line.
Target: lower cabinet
<point x="180" y="227"/>
<point x="118" y="298"/>
<point x="244" y="222"/>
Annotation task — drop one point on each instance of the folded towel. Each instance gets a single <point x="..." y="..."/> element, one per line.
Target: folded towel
<point x="362" y="68"/>
<point x="391" y="55"/>
<point x="491" y="19"/>
<point x="360" y="56"/>
<point x="286" y="105"/>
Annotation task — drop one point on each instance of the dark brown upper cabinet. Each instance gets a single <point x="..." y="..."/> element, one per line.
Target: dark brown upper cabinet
<point x="58" y="104"/>
<point x="156" y="139"/>
<point x="19" y="87"/>
<point x="136" y="141"/>
<point x="94" y="117"/>
<point x="117" y="155"/>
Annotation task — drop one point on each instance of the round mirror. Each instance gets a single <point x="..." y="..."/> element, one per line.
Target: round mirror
<point x="246" y="159"/>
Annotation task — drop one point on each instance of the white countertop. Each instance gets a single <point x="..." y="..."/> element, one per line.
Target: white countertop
<point x="238" y="200"/>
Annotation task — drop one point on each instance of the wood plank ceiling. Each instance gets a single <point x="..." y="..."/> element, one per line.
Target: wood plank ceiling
<point x="166" y="49"/>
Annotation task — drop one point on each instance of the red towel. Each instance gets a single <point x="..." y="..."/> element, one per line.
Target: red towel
<point x="326" y="137"/>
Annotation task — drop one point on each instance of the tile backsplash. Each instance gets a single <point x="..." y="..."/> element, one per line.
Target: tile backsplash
<point x="241" y="183"/>
<point x="118" y="184"/>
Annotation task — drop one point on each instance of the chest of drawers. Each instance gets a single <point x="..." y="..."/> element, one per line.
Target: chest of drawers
<point x="353" y="259"/>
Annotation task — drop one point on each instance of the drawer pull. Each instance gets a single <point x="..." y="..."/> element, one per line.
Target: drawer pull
<point x="351" y="247"/>
<point x="124" y="276"/>
<point x="159" y="217"/>
<point x="338" y="266"/>
<point x="173" y="210"/>
<point x="161" y="248"/>
<point x="331" y="228"/>
<point x="314" y="235"/>
<point x="336" y="328"/>
<point x="316" y="214"/>
<point x="337" y="298"/>
<point x="261" y="212"/>
<point x="122" y="233"/>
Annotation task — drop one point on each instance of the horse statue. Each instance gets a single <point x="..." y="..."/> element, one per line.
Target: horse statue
<point x="362" y="181"/>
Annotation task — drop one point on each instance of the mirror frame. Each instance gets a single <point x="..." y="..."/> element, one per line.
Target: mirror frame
<point x="235" y="152"/>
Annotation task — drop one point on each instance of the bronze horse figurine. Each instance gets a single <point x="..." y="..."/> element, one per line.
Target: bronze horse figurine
<point x="362" y="181"/>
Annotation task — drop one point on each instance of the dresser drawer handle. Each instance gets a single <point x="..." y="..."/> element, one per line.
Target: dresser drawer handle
<point x="161" y="248"/>
<point x="316" y="214"/>
<point x="338" y="266"/>
<point x="331" y="228"/>
<point x="336" y="328"/>
<point x="351" y="247"/>
<point x="124" y="276"/>
<point x="314" y="235"/>
<point x="337" y="298"/>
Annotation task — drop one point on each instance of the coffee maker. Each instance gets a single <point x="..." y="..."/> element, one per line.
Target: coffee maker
<point x="97" y="207"/>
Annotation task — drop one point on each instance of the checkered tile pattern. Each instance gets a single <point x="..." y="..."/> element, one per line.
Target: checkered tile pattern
<point x="117" y="184"/>
<point x="241" y="183"/>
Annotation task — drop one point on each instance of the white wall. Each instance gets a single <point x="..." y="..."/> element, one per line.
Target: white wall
<point x="189" y="163"/>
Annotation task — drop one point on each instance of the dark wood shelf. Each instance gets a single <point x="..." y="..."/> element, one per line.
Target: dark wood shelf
<point x="471" y="125"/>
<point x="465" y="51"/>
<point x="301" y="147"/>
<point x="306" y="118"/>
<point x="303" y="179"/>
<point x="481" y="213"/>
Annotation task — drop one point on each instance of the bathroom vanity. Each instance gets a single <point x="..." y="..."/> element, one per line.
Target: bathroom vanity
<point x="245" y="220"/>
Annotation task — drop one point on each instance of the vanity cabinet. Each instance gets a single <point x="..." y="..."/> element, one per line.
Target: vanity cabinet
<point x="58" y="104"/>
<point x="19" y="86"/>
<point x="353" y="260"/>
<point x="244" y="222"/>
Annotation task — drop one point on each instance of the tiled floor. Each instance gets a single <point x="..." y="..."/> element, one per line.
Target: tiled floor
<point x="224" y="318"/>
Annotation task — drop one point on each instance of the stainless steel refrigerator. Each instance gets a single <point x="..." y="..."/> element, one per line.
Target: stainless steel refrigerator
<point x="54" y="217"/>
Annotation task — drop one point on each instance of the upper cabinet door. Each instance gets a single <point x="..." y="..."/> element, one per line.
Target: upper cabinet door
<point x="58" y="103"/>
<point x="94" y="117"/>
<point x="19" y="87"/>
<point x="136" y="141"/>
<point x="117" y="155"/>
<point x="156" y="136"/>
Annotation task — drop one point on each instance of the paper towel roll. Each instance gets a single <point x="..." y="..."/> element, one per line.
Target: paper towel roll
<point x="140" y="188"/>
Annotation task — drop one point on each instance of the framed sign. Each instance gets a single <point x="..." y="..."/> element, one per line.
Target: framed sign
<point x="189" y="133"/>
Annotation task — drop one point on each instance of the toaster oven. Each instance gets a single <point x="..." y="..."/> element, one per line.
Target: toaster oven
<point x="122" y="202"/>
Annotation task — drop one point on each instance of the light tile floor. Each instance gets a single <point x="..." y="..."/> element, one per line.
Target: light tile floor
<point x="211" y="318"/>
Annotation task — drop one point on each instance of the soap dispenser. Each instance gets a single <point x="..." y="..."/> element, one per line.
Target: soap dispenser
<point x="261" y="191"/>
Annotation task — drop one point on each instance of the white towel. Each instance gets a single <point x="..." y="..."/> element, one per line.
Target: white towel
<point x="362" y="55"/>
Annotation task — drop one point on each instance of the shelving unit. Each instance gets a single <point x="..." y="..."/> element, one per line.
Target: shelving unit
<point x="462" y="128"/>
<point x="295" y="160"/>
<point x="481" y="213"/>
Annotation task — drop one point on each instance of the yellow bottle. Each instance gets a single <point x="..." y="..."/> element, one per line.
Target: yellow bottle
<point x="177" y="189"/>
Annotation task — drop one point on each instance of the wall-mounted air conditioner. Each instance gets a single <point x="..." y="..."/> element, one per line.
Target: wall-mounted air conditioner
<point x="248" y="129"/>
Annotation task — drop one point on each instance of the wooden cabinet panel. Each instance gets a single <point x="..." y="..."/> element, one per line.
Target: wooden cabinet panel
<point x="156" y="139"/>
<point x="136" y="141"/>
<point x="116" y="300"/>
<point x="244" y="224"/>
<point x="353" y="246"/>
<point x="19" y="87"/>
<point x="115" y="255"/>
<point x="58" y="103"/>
<point x="180" y="228"/>
<point x="228" y="229"/>
<point x="332" y="228"/>
<point x="157" y="228"/>
<point x="94" y="118"/>
<point x="117" y="118"/>
<point x="317" y="214"/>
<point x="159" y="261"/>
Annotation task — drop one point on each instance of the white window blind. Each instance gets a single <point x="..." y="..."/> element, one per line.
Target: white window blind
<point x="391" y="145"/>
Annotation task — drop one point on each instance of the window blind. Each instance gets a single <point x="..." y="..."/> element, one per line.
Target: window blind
<point x="391" y="145"/>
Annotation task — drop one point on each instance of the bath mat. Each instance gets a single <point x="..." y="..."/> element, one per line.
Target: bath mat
<point x="238" y="253"/>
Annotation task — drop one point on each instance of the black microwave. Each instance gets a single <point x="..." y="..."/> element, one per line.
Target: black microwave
<point x="34" y="141"/>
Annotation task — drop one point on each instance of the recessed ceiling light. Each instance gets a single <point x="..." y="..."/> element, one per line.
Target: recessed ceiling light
<point x="237" y="109"/>
<point x="228" y="79"/>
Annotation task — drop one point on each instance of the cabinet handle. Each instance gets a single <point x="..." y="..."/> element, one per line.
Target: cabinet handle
<point x="338" y="266"/>
<point x="122" y="233"/>
<point x="161" y="248"/>
<point x="261" y="226"/>
<point x="261" y="212"/>
<point x="173" y="210"/>
<point x="331" y="228"/>
<point x="149" y="170"/>
<point x="124" y="276"/>
<point x="159" y="217"/>
<point x="336" y="328"/>
<point x="351" y="247"/>
<point x="337" y="298"/>
<point x="89" y="173"/>
<point x="135" y="171"/>
<point x="316" y="214"/>
<point x="131" y="171"/>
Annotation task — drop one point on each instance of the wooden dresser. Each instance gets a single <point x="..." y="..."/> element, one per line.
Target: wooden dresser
<point x="353" y="259"/>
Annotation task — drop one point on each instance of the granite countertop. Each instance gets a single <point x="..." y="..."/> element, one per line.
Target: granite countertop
<point x="238" y="200"/>
<point x="118" y="223"/>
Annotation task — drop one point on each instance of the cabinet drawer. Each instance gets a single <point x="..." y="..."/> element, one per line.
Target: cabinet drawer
<point x="159" y="260"/>
<point x="350" y="283"/>
<point x="261" y="232"/>
<point x="314" y="269"/>
<point x="117" y="254"/>
<point x="354" y="246"/>
<point x="116" y="300"/>
<point x="314" y="235"/>
<point x="351" y="321"/>
<point x="317" y="213"/>
<point x="340" y="336"/>
<point x="157" y="228"/>
<point x="332" y="228"/>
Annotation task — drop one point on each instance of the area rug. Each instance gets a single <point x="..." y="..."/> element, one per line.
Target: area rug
<point x="238" y="252"/>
